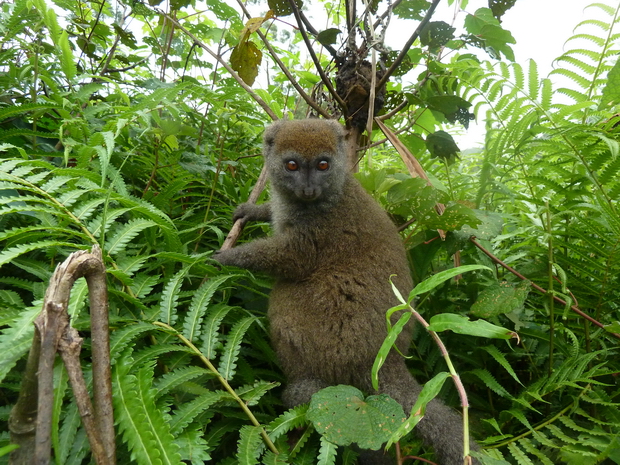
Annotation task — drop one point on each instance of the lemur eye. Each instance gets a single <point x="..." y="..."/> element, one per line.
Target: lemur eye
<point x="292" y="165"/>
<point x="322" y="165"/>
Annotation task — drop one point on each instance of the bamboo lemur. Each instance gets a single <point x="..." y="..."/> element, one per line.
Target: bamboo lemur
<point x="332" y="254"/>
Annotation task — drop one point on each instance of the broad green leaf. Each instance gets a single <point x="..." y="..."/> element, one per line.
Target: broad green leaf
<point x="343" y="416"/>
<point x="328" y="36"/>
<point x="428" y="393"/>
<point x="500" y="298"/>
<point x="245" y="59"/>
<point x="385" y="348"/>
<point x="462" y="325"/>
<point x="437" y="279"/>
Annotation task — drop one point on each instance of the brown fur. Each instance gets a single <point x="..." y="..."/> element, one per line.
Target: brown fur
<point x="332" y="254"/>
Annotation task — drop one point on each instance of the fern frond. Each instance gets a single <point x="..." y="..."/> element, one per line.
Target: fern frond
<point x="501" y="359"/>
<point x="228" y="362"/>
<point x="121" y="338"/>
<point x="146" y="355"/>
<point x="250" y="445"/>
<point x="126" y="233"/>
<point x="68" y="432"/>
<point x="288" y="421"/>
<point x="16" y="340"/>
<point x="143" y="284"/>
<point x="252" y="393"/>
<point x="211" y="327"/>
<point x="13" y="252"/>
<point x="530" y="448"/>
<point x="200" y="301"/>
<point x="13" y="110"/>
<point x="143" y="426"/>
<point x="327" y="452"/>
<point x="170" y="297"/>
<point x="489" y="380"/>
<point x="173" y="379"/>
<point x="190" y="410"/>
<point x="519" y="455"/>
<point x="105" y="220"/>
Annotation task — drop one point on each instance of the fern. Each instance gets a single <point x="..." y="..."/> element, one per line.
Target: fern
<point x="249" y="445"/>
<point x="198" y="306"/>
<point x="228" y="362"/>
<point x="190" y="410"/>
<point x="327" y="453"/>
<point x="143" y="426"/>
<point x="177" y="377"/>
<point x="117" y="243"/>
<point x="210" y="327"/>
<point x="288" y="421"/>
<point x="170" y="296"/>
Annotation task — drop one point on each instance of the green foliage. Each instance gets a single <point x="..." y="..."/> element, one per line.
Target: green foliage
<point x="343" y="416"/>
<point x="119" y="129"/>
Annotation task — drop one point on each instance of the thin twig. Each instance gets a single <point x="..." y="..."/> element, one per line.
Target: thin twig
<point x="236" y="229"/>
<point x="315" y="59"/>
<point x="407" y="46"/>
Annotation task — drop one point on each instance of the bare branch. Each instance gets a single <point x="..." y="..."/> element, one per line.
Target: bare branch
<point x="315" y="59"/>
<point x="236" y="229"/>
<point x="51" y="327"/>
<point x="409" y="43"/>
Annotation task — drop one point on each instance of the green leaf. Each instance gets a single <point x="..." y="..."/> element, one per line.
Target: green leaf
<point x="143" y="426"/>
<point x="462" y="325"/>
<point x="500" y="298"/>
<point x="13" y="252"/>
<point x="611" y="91"/>
<point x="170" y="297"/>
<point x="436" y="34"/>
<point x="440" y="144"/>
<point x="501" y="359"/>
<point x="327" y="453"/>
<point x="228" y="362"/>
<point x="250" y="445"/>
<point x="386" y="346"/>
<point x="411" y="9"/>
<point x="437" y="279"/>
<point x="288" y="421"/>
<point x="283" y="7"/>
<point x="118" y="242"/>
<point x="245" y="59"/>
<point x="429" y="392"/>
<point x="484" y="26"/>
<point x="200" y="301"/>
<point x="16" y="340"/>
<point x="211" y="327"/>
<point x="67" y="60"/>
<point x="328" y="36"/>
<point x="343" y="416"/>
<point x="190" y="410"/>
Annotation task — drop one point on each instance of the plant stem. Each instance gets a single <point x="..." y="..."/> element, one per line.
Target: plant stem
<point x="223" y="381"/>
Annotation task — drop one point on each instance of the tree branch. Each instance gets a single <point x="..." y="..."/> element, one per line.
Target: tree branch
<point x="408" y="45"/>
<point x="315" y="59"/>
